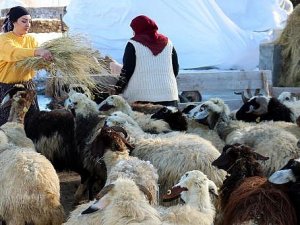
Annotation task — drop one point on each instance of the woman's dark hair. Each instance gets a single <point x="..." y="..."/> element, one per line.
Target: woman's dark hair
<point x="12" y="16"/>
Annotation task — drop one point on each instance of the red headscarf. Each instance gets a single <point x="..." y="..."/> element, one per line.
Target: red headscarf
<point x="146" y="33"/>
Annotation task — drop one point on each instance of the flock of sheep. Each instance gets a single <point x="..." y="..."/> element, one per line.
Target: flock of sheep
<point x="201" y="165"/>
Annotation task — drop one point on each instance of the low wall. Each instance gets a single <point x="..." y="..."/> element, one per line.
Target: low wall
<point x="41" y="12"/>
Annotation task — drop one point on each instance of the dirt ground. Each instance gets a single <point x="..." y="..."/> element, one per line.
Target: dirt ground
<point x="69" y="182"/>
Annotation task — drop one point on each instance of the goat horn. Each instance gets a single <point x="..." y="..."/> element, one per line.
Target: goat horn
<point x="248" y="90"/>
<point x="146" y="192"/>
<point x="104" y="191"/>
<point x="242" y="93"/>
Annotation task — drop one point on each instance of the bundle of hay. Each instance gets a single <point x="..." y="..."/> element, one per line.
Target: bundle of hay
<point x="290" y="44"/>
<point x="74" y="62"/>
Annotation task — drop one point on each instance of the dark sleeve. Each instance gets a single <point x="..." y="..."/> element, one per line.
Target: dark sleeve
<point x="175" y="62"/>
<point x="127" y="69"/>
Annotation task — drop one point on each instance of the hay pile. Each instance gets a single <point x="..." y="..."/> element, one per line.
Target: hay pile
<point x="74" y="62"/>
<point x="290" y="44"/>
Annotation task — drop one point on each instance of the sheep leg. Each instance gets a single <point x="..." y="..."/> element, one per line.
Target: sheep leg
<point x="80" y="192"/>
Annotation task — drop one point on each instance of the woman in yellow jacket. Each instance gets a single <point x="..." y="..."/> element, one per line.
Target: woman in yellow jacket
<point x="16" y="45"/>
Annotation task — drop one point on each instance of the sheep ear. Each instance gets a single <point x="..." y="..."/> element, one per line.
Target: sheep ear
<point x="97" y="205"/>
<point x="147" y="193"/>
<point x="212" y="188"/>
<point x="97" y="146"/>
<point x="260" y="157"/>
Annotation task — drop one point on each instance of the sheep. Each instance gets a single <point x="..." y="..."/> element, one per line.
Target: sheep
<point x="172" y="154"/>
<point x="247" y="196"/>
<point x="29" y="185"/>
<point x="193" y="188"/>
<point x="119" y="166"/>
<point x="265" y="138"/>
<point x="261" y="108"/>
<point x="289" y="177"/>
<point x="179" y="121"/>
<point x="291" y="100"/>
<point x="122" y="202"/>
<point x="288" y="96"/>
<point x="117" y="103"/>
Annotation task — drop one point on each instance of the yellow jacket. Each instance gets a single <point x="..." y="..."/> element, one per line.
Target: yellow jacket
<point x="14" y="48"/>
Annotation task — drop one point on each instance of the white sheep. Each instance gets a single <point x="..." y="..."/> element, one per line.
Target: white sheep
<point x="265" y="138"/>
<point x="292" y="101"/>
<point x="194" y="189"/>
<point x="172" y="154"/>
<point x="119" y="203"/>
<point x="117" y="103"/>
<point x="29" y="185"/>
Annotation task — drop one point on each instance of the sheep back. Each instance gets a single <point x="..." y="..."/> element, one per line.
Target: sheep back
<point x="257" y="200"/>
<point x="29" y="188"/>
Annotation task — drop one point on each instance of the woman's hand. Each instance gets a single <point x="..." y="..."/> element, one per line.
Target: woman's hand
<point x="44" y="53"/>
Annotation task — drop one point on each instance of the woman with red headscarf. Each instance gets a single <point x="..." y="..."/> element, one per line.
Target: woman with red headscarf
<point x="150" y="66"/>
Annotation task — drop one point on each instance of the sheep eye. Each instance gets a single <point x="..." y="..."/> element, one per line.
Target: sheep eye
<point x="287" y="98"/>
<point x="186" y="174"/>
<point x="75" y="103"/>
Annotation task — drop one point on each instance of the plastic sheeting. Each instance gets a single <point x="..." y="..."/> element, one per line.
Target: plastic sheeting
<point x="202" y="33"/>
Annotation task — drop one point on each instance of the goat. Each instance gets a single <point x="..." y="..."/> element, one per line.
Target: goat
<point x="261" y="108"/>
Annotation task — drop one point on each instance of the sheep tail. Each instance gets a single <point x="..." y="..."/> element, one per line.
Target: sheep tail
<point x="259" y="201"/>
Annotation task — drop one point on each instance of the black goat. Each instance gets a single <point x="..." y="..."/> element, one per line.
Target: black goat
<point x="261" y="108"/>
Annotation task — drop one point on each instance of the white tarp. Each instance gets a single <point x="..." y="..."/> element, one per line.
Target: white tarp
<point x="202" y="33"/>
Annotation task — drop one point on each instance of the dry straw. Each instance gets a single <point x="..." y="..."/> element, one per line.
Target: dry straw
<point x="290" y="45"/>
<point x="73" y="61"/>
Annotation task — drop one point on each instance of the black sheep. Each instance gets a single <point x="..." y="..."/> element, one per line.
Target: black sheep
<point x="174" y="117"/>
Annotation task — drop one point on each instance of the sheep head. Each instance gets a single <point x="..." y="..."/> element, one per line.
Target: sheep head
<point x="289" y="173"/>
<point x="20" y="104"/>
<point x="233" y="153"/>
<point x="174" y="117"/>
<point x="11" y="92"/>
<point x="80" y="104"/>
<point x="122" y="190"/>
<point x="112" y="138"/>
<point x="287" y="96"/>
<point x="114" y="103"/>
<point x="209" y="112"/>
<point x="256" y="105"/>
<point x="191" y="184"/>
<point x="120" y="119"/>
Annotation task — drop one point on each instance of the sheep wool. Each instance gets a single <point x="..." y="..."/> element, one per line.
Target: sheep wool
<point x="29" y="188"/>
